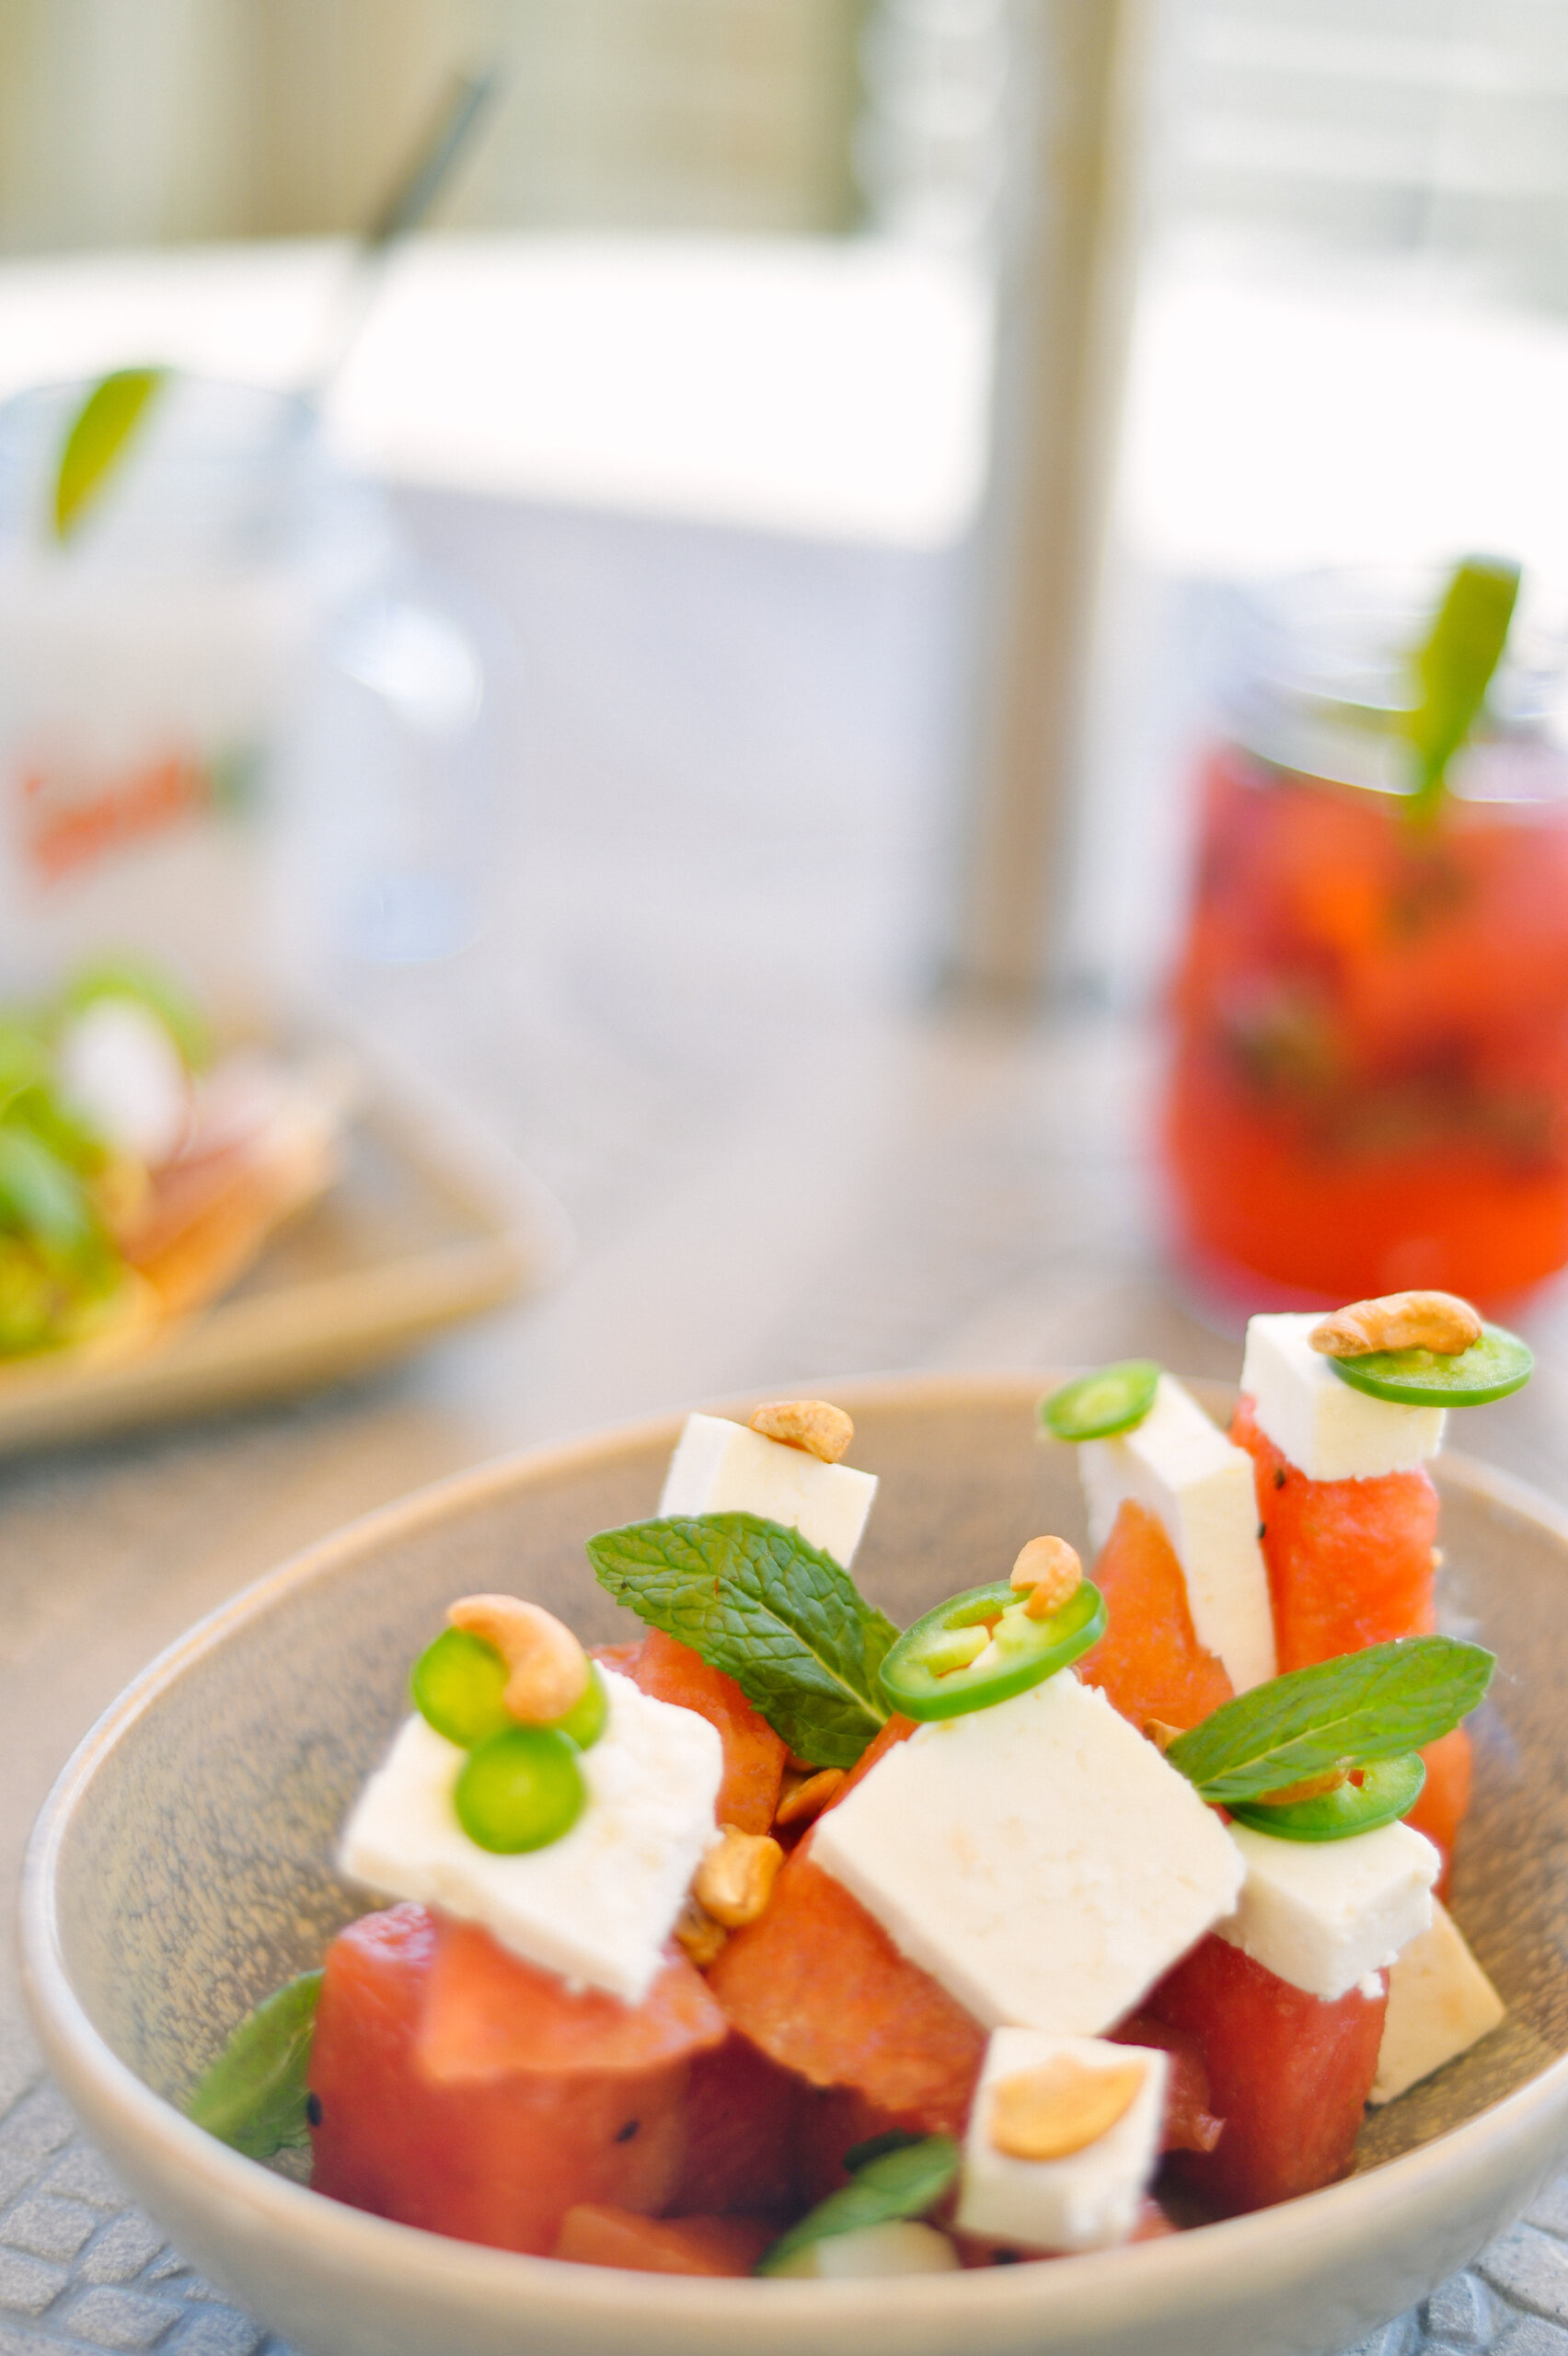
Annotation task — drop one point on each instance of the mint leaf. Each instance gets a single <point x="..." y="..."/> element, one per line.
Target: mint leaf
<point x="777" y="1615"/>
<point x="1454" y="669"/>
<point x="99" y="432"/>
<point x="254" y="2095"/>
<point x="1361" y="1706"/>
<point x="905" y="2183"/>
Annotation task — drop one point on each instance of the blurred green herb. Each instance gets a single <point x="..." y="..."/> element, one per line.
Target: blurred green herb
<point x="255" y="2096"/>
<point x="1454" y="669"/>
<point x="98" y="435"/>
<point x="907" y="2181"/>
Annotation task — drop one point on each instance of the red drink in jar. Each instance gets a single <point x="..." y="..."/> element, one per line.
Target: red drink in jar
<point x="1369" y="1083"/>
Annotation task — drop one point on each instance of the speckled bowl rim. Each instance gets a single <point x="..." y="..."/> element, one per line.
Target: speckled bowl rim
<point x="1307" y="2240"/>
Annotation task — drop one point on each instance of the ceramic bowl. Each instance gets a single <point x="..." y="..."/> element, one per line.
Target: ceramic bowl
<point x="183" y="1867"/>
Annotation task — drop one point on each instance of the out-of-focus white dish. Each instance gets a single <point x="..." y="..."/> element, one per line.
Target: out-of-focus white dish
<point x="182" y="1868"/>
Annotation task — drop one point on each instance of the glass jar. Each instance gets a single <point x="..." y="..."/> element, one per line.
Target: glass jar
<point x="1369" y="1082"/>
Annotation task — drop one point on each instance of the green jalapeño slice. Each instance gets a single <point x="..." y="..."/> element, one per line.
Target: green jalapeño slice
<point x="1388" y="1788"/>
<point x="982" y="1646"/>
<point x="586" y="1719"/>
<point x="458" y="1682"/>
<point x="1113" y="1399"/>
<point x="1490" y="1368"/>
<point x="520" y="1790"/>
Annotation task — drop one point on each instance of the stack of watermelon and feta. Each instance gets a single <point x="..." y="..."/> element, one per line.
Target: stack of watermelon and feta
<point x="780" y="1941"/>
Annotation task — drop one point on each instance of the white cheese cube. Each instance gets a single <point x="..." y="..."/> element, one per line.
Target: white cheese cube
<point x="1326" y="1914"/>
<point x="1440" y="2004"/>
<point x="1039" y="1858"/>
<point x="595" y="1906"/>
<point x="872" y="2252"/>
<point x="720" y="1467"/>
<point x="1323" y="1426"/>
<point x="1087" y="2200"/>
<point x="1181" y="1468"/>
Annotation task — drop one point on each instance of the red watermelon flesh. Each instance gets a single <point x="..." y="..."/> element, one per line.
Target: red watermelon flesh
<point x="1148" y="1664"/>
<point x="817" y="1984"/>
<point x="1350" y="1562"/>
<point x="742" y="2132"/>
<point x="558" y="2099"/>
<point x="1190" y="2124"/>
<point x="597" y="2234"/>
<point x="1288" y="2073"/>
<point x="754" y="1754"/>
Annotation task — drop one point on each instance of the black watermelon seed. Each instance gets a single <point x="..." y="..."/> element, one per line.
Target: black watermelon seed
<point x="1279" y="1476"/>
<point x="624" y="2134"/>
<point x="313" y="2109"/>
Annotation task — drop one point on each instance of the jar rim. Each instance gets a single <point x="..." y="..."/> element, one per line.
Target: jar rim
<point x="1321" y="679"/>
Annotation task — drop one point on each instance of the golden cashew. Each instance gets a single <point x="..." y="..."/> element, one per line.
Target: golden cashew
<point x="735" y="1879"/>
<point x="1398" y="1321"/>
<point x="1311" y="1787"/>
<point x="701" y="1937"/>
<point x="1048" y="2113"/>
<point x="824" y="1431"/>
<point x="805" y="1796"/>
<point x="1049" y="1569"/>
<point x="549" y="1668"/>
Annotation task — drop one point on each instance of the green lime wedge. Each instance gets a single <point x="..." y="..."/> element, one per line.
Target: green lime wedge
<point x="1490" y="1368"/>
<point x="1113" y="1399"/>
<point x="98" y="434"/>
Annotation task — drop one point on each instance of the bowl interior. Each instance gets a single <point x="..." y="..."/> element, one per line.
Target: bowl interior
<point x="195" y="1871"/>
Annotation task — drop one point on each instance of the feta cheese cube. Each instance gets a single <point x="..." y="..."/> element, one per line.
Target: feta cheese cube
<point x="1088" y="2201"/>
<point x="595" y="1906"/>
<point x="1325" y="1914"/>
<point x="1039" y="1858"/>
<point x="1181" y="1468"/>
<point x="1440" y="2004"/>
<point x="872" y="2252"/>
<point x="1326" y="1429"/>
<point x="720" y="1467"/>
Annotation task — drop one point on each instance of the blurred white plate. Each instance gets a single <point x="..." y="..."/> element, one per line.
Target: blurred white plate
<point x="429" y="1223"/>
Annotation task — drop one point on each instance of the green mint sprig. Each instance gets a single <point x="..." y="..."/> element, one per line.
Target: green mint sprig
<point x="255" y="2095"/>
<point x="1454" y="669"/>
<point x="1360" y="1706"/>
<point x="780" y="1616"/>
<point x="907" y="2182"/>
<point x="98" y="434"/>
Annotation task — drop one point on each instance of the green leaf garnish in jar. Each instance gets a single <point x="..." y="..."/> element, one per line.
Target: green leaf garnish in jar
<point x="1097" y="1406"/>
<point x="1356" y="1802"/>
<point x="1454" y="668"/>
<point x="989" y="1642"/>
<point x="98" y="436"/>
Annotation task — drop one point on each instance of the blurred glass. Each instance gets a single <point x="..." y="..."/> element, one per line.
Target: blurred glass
<point x="1369" y="1076"/>
<point x="397" y="773"/>
<point x="162" y="671"/>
